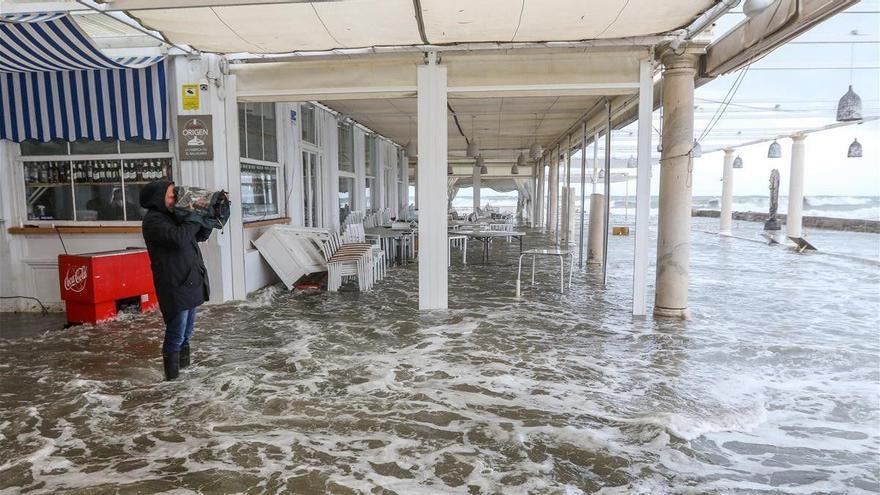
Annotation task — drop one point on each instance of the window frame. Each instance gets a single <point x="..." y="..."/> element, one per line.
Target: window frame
<point x="280" y="182"/>
<point x="302" y="120"/>
<point x="374" y="198"/>
<point x="21" y="160"/>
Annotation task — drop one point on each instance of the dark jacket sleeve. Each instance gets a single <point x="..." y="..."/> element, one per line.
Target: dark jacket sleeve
<point x="166" y="232"/>
<point x="203" y="234"/>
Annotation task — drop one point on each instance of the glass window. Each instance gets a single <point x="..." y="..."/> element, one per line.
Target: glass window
<point x="308" y="123"/>
<point x="98" y="190"/>
<point x="259" y="190"/>
<point x="86" y="146"/>
<point x="346" y="148"/>
<point x="270" y="146"/>
<point x="139" y="145"/>
<point x="311" y="190"/>
<point x="32" y="147"/>
<point x="346" y="197"/>
<point x="48" y="189"/>
<point x="370" y="194"/>
<point x="256" y="131"/>
<point x="370" y="155"/>
<point x="90" y="190"/>
<point x="137" y="173"/>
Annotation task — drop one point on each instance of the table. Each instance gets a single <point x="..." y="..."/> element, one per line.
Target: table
<point x="486" y="237"/>
<point x="560" y="253"/>
<point x="390" y="239"/>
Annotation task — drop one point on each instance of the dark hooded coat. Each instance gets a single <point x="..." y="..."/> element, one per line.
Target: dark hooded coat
<point x="179" y="273"/>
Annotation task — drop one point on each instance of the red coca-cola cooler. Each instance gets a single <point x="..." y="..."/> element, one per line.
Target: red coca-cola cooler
<point x="95" y="285"/>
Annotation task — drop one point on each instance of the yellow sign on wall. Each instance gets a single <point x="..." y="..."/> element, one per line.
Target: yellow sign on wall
<point x="190" y="96"/>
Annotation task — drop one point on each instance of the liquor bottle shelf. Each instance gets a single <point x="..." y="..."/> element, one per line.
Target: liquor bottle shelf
<point x="62" y="184"/>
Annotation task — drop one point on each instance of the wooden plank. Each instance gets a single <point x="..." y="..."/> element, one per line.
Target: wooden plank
<point x="75" y="230"/>
<point x="266" y="223"/>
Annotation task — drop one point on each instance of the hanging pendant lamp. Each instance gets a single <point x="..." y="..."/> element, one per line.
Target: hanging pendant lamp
<point x="849" y="107"/>
<point x="697" y="150"/>
<point x="481" y="163"/>
<point x="535" y="151"/>
<point x="738" y="162"/>
<point x="855" y="149"/>
<point x="775" y="150"/>
<point x="449" y="170"/>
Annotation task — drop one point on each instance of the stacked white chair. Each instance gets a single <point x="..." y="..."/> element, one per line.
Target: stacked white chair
<point x="355" y="234"/>
<point x="348" y="260"/>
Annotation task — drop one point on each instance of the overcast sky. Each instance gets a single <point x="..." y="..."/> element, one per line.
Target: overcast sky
<point x="807" y="99"/>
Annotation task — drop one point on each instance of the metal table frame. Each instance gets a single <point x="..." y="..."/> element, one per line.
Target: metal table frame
<point x="486" y="236"/>
<point x="534" y="253"/>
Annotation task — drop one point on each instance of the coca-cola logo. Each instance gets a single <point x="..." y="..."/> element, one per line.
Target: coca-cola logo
<point x="75" y="278"/>
<point x="194" y="127"/>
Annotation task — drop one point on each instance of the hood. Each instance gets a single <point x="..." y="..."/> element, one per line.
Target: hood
<point x="153" y="195"/>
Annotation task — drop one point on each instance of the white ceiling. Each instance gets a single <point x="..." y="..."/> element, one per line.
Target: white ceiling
<point x="286" y="27"/>
<point x="503" y="124"/>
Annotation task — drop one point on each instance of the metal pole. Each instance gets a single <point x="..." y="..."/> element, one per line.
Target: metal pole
<point x="583" y="197"/>
<point x="607" y="192"/>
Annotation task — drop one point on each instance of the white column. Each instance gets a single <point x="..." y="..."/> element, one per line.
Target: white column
<point x="674" y="229"/>
<point x="476" y="180"/>
<point x="794" y="220"/>
<point x="572" y="218"/>
<point x="553" y="189"/>
<point x="432" y="116"/>
<point x="643" y="189"/>
<point x="539" y="204"/>
<point x="726" y="218"/>
<point x="596" y="237"/>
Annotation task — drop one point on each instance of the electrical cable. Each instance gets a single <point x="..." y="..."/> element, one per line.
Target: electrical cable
<point x="45" y="310"/>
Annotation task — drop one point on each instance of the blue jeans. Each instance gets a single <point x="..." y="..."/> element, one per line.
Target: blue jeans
<point x="178" y="331"/>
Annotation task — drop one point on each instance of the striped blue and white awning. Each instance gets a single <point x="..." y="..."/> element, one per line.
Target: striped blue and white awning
<point x="54" y="42"/>
<point x="55" y="84"/>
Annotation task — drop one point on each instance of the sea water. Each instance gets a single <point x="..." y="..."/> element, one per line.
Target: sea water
<point x="770" y="387"/>
<point x="852" y="207"/>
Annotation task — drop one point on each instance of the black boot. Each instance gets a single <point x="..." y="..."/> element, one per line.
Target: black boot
<point x="171" y="362"/>
<point x="184" y="356"/>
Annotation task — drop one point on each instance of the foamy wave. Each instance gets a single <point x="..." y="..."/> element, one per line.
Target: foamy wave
<point x="689" y="427"/>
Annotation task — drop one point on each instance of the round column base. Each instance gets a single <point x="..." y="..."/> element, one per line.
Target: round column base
<point x="679" y="313"/>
